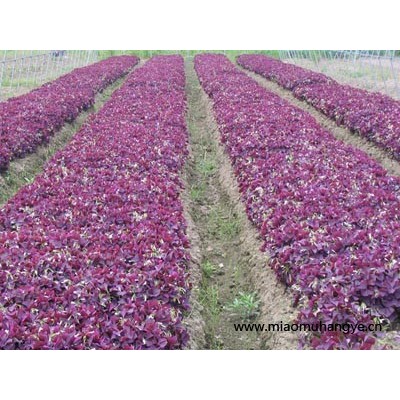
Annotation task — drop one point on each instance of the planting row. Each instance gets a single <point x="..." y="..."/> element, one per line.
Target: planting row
<point x="31" y="119"/>
<point x="94" y="254"/>
<point x="373" y="115"/>
<point x="329" y="215"/>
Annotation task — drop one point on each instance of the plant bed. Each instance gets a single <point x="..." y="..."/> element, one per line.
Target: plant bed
<point x="327" y="213"/>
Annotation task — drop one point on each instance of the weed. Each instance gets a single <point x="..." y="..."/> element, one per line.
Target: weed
<point x="221" y="225"/>
<point x="209" y="298"/>
<point x="207" y="166"/>
<point x="229" y="228"/>
<point x="197" y="192"/>
<point x="209" y="269"/>
<point x="245" y="305"/>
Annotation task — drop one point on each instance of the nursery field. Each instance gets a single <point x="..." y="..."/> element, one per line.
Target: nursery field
<point x="161" y="201"/>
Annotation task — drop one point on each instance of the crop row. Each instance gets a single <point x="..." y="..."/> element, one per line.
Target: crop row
<point x="93" y="254"/>
<point x="374" y="116"/>
<point x="329" y="216"/>
<point x="31" y="119"/>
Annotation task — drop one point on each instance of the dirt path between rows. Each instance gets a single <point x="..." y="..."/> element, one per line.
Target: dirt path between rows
<point x="342" y="134"/>
<point x="23" y="171"/>
<point x="232" y="283"/>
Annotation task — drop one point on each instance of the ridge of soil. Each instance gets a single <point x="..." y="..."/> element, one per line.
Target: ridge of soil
<point x="194" y="321"/>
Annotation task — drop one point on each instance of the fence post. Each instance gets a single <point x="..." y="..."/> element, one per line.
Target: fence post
<point x="3" y="63"/>
<point x="394" y="76"/>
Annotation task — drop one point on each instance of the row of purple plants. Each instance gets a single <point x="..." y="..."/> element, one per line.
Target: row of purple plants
<point x="374" y="116"/>
<point x="94" y="253"/>
<point x="31" y="119"/>
<point x="329" y="215"/>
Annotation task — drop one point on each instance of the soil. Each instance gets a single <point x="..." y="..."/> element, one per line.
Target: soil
<point x="194" y="321"/>
<point x="228" y="242"/>
<point x="342" y="134"/>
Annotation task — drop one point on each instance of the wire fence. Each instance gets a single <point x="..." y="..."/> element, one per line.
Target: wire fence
<point x="373" y="70"/>
<point x="23" y="70"/>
